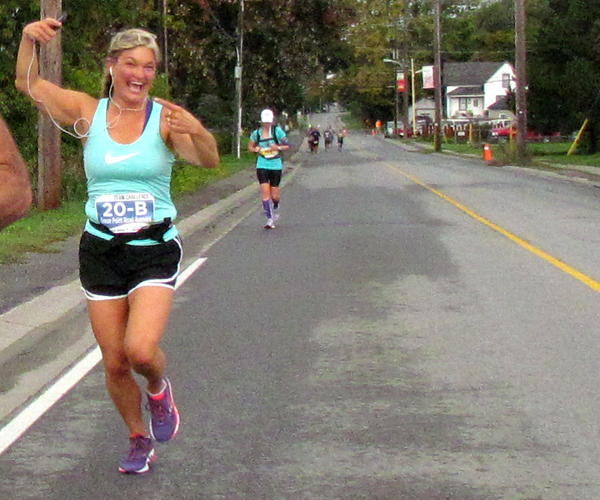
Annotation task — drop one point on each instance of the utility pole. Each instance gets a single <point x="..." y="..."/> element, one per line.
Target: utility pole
<point x="521" y="83"/>
<point x="238" y="82"/>
<point x="437" y="139"/>
<point x="396" y="92"/>
<point x="405" y="69"/>
<point x="405" y="96"/>
<point x="396" y="96"/>
<point x="49" y="140"/>
<point x="395" y="54"/>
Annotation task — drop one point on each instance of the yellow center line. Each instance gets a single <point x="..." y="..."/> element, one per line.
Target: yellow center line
<point x="519" y="241"/>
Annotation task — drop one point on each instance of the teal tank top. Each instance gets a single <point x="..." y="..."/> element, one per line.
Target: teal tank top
<point x="269" y="163"/>
<point x="129" y="185"/>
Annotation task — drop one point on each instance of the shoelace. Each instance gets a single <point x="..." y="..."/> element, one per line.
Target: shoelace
<point x="138" y="448"/>
<point x="161" y="410"/>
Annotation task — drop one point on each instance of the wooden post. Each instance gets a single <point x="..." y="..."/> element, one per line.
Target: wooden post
<point x="49" y="139"/>
<point x="521" y="83"/>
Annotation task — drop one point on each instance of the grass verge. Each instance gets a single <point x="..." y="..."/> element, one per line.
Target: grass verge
<point x="547" y="152"/>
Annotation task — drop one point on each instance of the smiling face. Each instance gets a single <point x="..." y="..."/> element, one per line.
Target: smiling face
<point x="133" y="74"/>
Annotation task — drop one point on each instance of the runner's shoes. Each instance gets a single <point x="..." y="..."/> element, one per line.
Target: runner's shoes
<point x="164" y="419"/>
<point x="270" y="224"/>
<point x="141" y="455"/>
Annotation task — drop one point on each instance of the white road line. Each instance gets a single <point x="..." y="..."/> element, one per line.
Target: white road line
<point x="12" y="431"/>
<point x="191" y="269"/>
<point x="32" y="412"/>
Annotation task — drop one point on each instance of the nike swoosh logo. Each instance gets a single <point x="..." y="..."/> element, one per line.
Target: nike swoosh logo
<point x="110" y="159"/>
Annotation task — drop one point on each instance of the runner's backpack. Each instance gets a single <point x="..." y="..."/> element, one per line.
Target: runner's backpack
<point x="273" y="137"/>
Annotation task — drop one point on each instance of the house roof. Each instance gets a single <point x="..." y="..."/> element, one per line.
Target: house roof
<point x="469" y="73"/>
<point x="476" y="90"/>
<point x="425" y="103"/>
<point x="501" y="104"/>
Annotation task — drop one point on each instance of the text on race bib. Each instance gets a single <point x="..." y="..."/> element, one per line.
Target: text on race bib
<point x="125" y="213"/>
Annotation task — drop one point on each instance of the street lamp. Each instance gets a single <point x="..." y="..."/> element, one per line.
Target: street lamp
<point x="412" y="71"/>
<point x="239" y="50"/>
<point x="413" y="92"/>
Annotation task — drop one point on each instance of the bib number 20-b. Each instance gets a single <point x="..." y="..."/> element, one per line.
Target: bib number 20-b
<point x="125" y="213"/>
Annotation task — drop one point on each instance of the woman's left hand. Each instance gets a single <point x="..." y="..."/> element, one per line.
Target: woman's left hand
<point x="188" y="137"/>
<point x="179" y="120"/>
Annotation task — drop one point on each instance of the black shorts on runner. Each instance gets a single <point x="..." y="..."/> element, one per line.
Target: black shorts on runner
<point x="109" y="271"/>
<point x="269" y="176"/>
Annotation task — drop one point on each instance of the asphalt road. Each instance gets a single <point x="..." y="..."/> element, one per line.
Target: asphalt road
<point x="418" y="326"/>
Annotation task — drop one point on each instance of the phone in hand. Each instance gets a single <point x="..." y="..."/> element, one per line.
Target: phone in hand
<point x="62" y="18"/>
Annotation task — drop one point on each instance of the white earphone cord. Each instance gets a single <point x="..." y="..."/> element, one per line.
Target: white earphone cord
<point x="75" y="133"/>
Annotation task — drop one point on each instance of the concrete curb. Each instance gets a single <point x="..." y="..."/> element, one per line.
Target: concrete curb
<point x="22" y="321"/>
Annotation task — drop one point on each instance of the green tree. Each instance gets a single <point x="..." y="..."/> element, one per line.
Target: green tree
<point x="564" y="69"/>
<point x="285" y="44"/>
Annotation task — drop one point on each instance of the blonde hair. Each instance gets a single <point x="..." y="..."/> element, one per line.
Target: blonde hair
<point x="127" y="40"/>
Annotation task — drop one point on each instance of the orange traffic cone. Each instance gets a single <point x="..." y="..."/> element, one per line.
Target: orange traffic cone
<point x="487" y="153"/>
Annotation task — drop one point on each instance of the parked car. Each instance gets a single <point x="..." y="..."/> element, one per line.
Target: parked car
<point x="389" y="130"/>
<point x="511" y="132"/>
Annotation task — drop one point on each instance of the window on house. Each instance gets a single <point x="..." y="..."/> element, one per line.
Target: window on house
<point x="463" y="103"/>
<point x="475" y="103"/>
<point x="506" y="80"/>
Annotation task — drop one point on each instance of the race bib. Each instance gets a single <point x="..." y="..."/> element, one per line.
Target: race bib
<point x="125" y="213"/>
<point x="268" y="153"/>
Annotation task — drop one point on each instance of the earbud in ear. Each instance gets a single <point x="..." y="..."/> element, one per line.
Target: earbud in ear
<point x="110" y="71"/>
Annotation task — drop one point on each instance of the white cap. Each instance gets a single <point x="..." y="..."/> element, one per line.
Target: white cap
<point x="266" y="116"/>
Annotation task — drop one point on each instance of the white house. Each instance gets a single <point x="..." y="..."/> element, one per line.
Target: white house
<point x="424" y="107"/>
<point x="477" y="89"/>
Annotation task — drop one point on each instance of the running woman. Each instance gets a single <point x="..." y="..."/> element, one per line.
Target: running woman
<point x="129" y="252"/>
<point x="267" y="142"/>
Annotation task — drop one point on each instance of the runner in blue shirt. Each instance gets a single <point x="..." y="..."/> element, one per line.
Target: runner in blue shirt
<point x="129" y="254"/>
<point x="267" y="142"/>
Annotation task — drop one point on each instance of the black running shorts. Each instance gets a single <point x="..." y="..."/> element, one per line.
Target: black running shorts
<point x="269" y="176"/>
<point x="109" y="271"/>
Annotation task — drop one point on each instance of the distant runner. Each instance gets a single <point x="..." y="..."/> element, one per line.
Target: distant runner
<point x="268" y="142"/>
